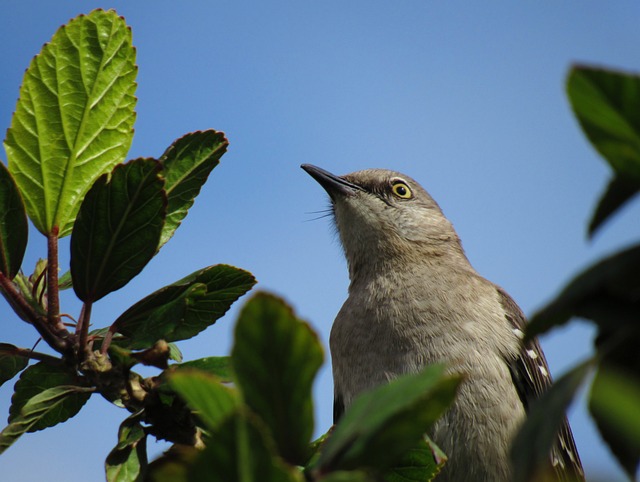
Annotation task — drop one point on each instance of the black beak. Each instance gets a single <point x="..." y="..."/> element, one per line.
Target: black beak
<point x="334" y="185"/>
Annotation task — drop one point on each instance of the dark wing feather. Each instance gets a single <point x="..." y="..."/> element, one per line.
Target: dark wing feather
<point x="531" y="376"/>
<point x="338" y="408"/>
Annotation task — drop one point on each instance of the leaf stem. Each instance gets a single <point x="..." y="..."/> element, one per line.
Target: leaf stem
<point x="53" y="294"/>
<point x="82" y="328"/>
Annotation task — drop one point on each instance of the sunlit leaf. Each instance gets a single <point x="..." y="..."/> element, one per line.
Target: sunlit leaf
<point x="39" y="378"/>
<point x="275" y="359"/>
<point x="13" y="225"/>
<point x="118" y="228"/>
<point x="618" y="192"/>
<point x="184" y="308"/>
<point x="383" y="424"/>
<point x="74" y="118"/>
<point x="48" y="405"/>
<point x="186" y="165"/>
<point x="220" y="366"/>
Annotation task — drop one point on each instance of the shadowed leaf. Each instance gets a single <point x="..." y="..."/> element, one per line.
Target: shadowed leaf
<point x="118" y="229"/>
<point x="74" y="118"/>
<point x="618" y="192"/>
<point x="416" y="465"/>
<point x="38" y="378"/>
<point x="10" y="364"/>
<point x="533" y="443"/>
<point x="186" y="166"/>
<point x="14" y="230"/>
<point x="184" y="308"/>
<point x="219" y="366"/>
<point x="383" y="424"/>
<point x="127" y="462"/>
<point x="275" y="359"/>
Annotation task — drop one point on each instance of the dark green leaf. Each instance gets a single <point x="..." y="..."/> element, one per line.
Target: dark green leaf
<point x="118" y="228"/>
<point x="220" y="366"/>
<point x="14" y="230"/>
<point x="74" y="118"/>
<point x="416" y="465"/>
<point x="205" y="395"/>
<point x="386" y="422"/>
<point x="240" y="450"/>
<point x="127" y="462"/>
<point x="38" y="378"/>
<point x="614" y="402"/>
<point x="184" y="308"/>
<point x="275" y="359"/>
<point x="350" y="476"/>
<point x="186" y="165"/>
<point x="10" y="364"/>
<point x="618" y="192"/>
<point x="47" y="405"/>
<point x="533" y="443"/>
<point x="607" y="105"/>
<point x="606" y="293"/>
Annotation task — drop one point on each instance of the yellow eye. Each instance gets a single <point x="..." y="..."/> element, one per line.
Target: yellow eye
<point x="401" y="190"/>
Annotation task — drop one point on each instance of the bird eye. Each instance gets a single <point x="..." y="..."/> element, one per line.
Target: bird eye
<point x="401" y="190"/>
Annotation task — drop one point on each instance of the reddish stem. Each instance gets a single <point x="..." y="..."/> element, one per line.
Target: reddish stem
<point x="53" y="295"/>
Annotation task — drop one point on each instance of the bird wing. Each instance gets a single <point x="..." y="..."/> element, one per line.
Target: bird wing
<point x="338" y="407"/>
<point x="531" y="376"/>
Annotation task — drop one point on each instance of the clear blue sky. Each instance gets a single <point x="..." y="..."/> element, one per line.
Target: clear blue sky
<point x="466" y="97"/>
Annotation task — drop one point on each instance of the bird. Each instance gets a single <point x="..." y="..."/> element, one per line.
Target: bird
<point x="414" y="299"/>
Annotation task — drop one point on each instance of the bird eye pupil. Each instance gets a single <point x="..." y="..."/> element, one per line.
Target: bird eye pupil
<point x="401" y="190"/>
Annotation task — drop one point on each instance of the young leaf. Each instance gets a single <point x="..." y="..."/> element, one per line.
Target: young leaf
<point x="184" y="308"/>
<point x="219" y="366"/>
<point x="613" y="403"/>
<point x="384" y="423"/>
<point x="118" y="228"/>
<point x="186" y="166"/>
<point x="39" y="378"/>
<point x="10" y="364"/>
<point x="205" y="395"/>
<point x="14" y="230"/>
<point x="533" y="443"/>
<point x="127" y="462"/>
<point x="605" y="293"/>
<point x="74" y="118"/>
<point x="48" y="405"/>
<point x="275" y="358"/>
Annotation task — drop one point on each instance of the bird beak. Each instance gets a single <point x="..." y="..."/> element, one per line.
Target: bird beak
<point x="334" y="185"/>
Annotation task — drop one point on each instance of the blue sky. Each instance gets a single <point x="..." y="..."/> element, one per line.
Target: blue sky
<point x="466" y="97"/>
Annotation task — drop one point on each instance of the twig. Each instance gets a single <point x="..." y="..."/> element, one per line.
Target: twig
<point x="34" y="355"/>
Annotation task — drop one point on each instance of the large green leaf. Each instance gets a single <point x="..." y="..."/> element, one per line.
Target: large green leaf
<point x="46" y="405"/>
<point x="383" y="424"/>
<point x="10" y="363"/>
<point x="613" y="403"/>
<point x="219" y="366"/>
<point x="14" y="230"/>
<point x="184" y="308"/>
<point x="605" y="293"/>
<point x="187" y="164"/>
<point x="206" y="396"/>
<point x="275" y="358"/>
<point x="618" y="192"/>
<point x="533" y="443"/>
<point x="74" y="118"/>
<point x="41" y="377"/>
<point x="118" y="228"/>
<point x="127" y="462"/>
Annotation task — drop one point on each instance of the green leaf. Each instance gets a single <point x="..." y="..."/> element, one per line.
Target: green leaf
<point x="205" y="395"/>
<point x="40" y="410"/>
<point x="384" y="423"/>
<point x="65" y="282"/>
<point x="14" y="230"/>
<point x="350" y="476"/>
<point x="613" y="403"/>
<point x="74" y="118"/>
<point x="184" y="308"/>
<point x="174" y="353"/>
<point x="417" y="465"/>
<point x="219" y="366"/>
<point x="118" y="229"/>
<point x="187" y="164"/>
<point x="127" y="462"/>
<point x="39" y="378"/>
<point x="532" y="445"/>
<point x="618" y="192"/>
<point x="275" y="359"/>
<point x="240" y="450"/>
<point x="605" y="293"/>
<point x="607" y="105"/>
<point x="10" y="364"/>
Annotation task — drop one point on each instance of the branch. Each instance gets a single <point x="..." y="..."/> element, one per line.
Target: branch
<point x="34" y="355"/>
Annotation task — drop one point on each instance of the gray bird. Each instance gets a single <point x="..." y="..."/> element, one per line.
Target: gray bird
<point x="414" y="299"/>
